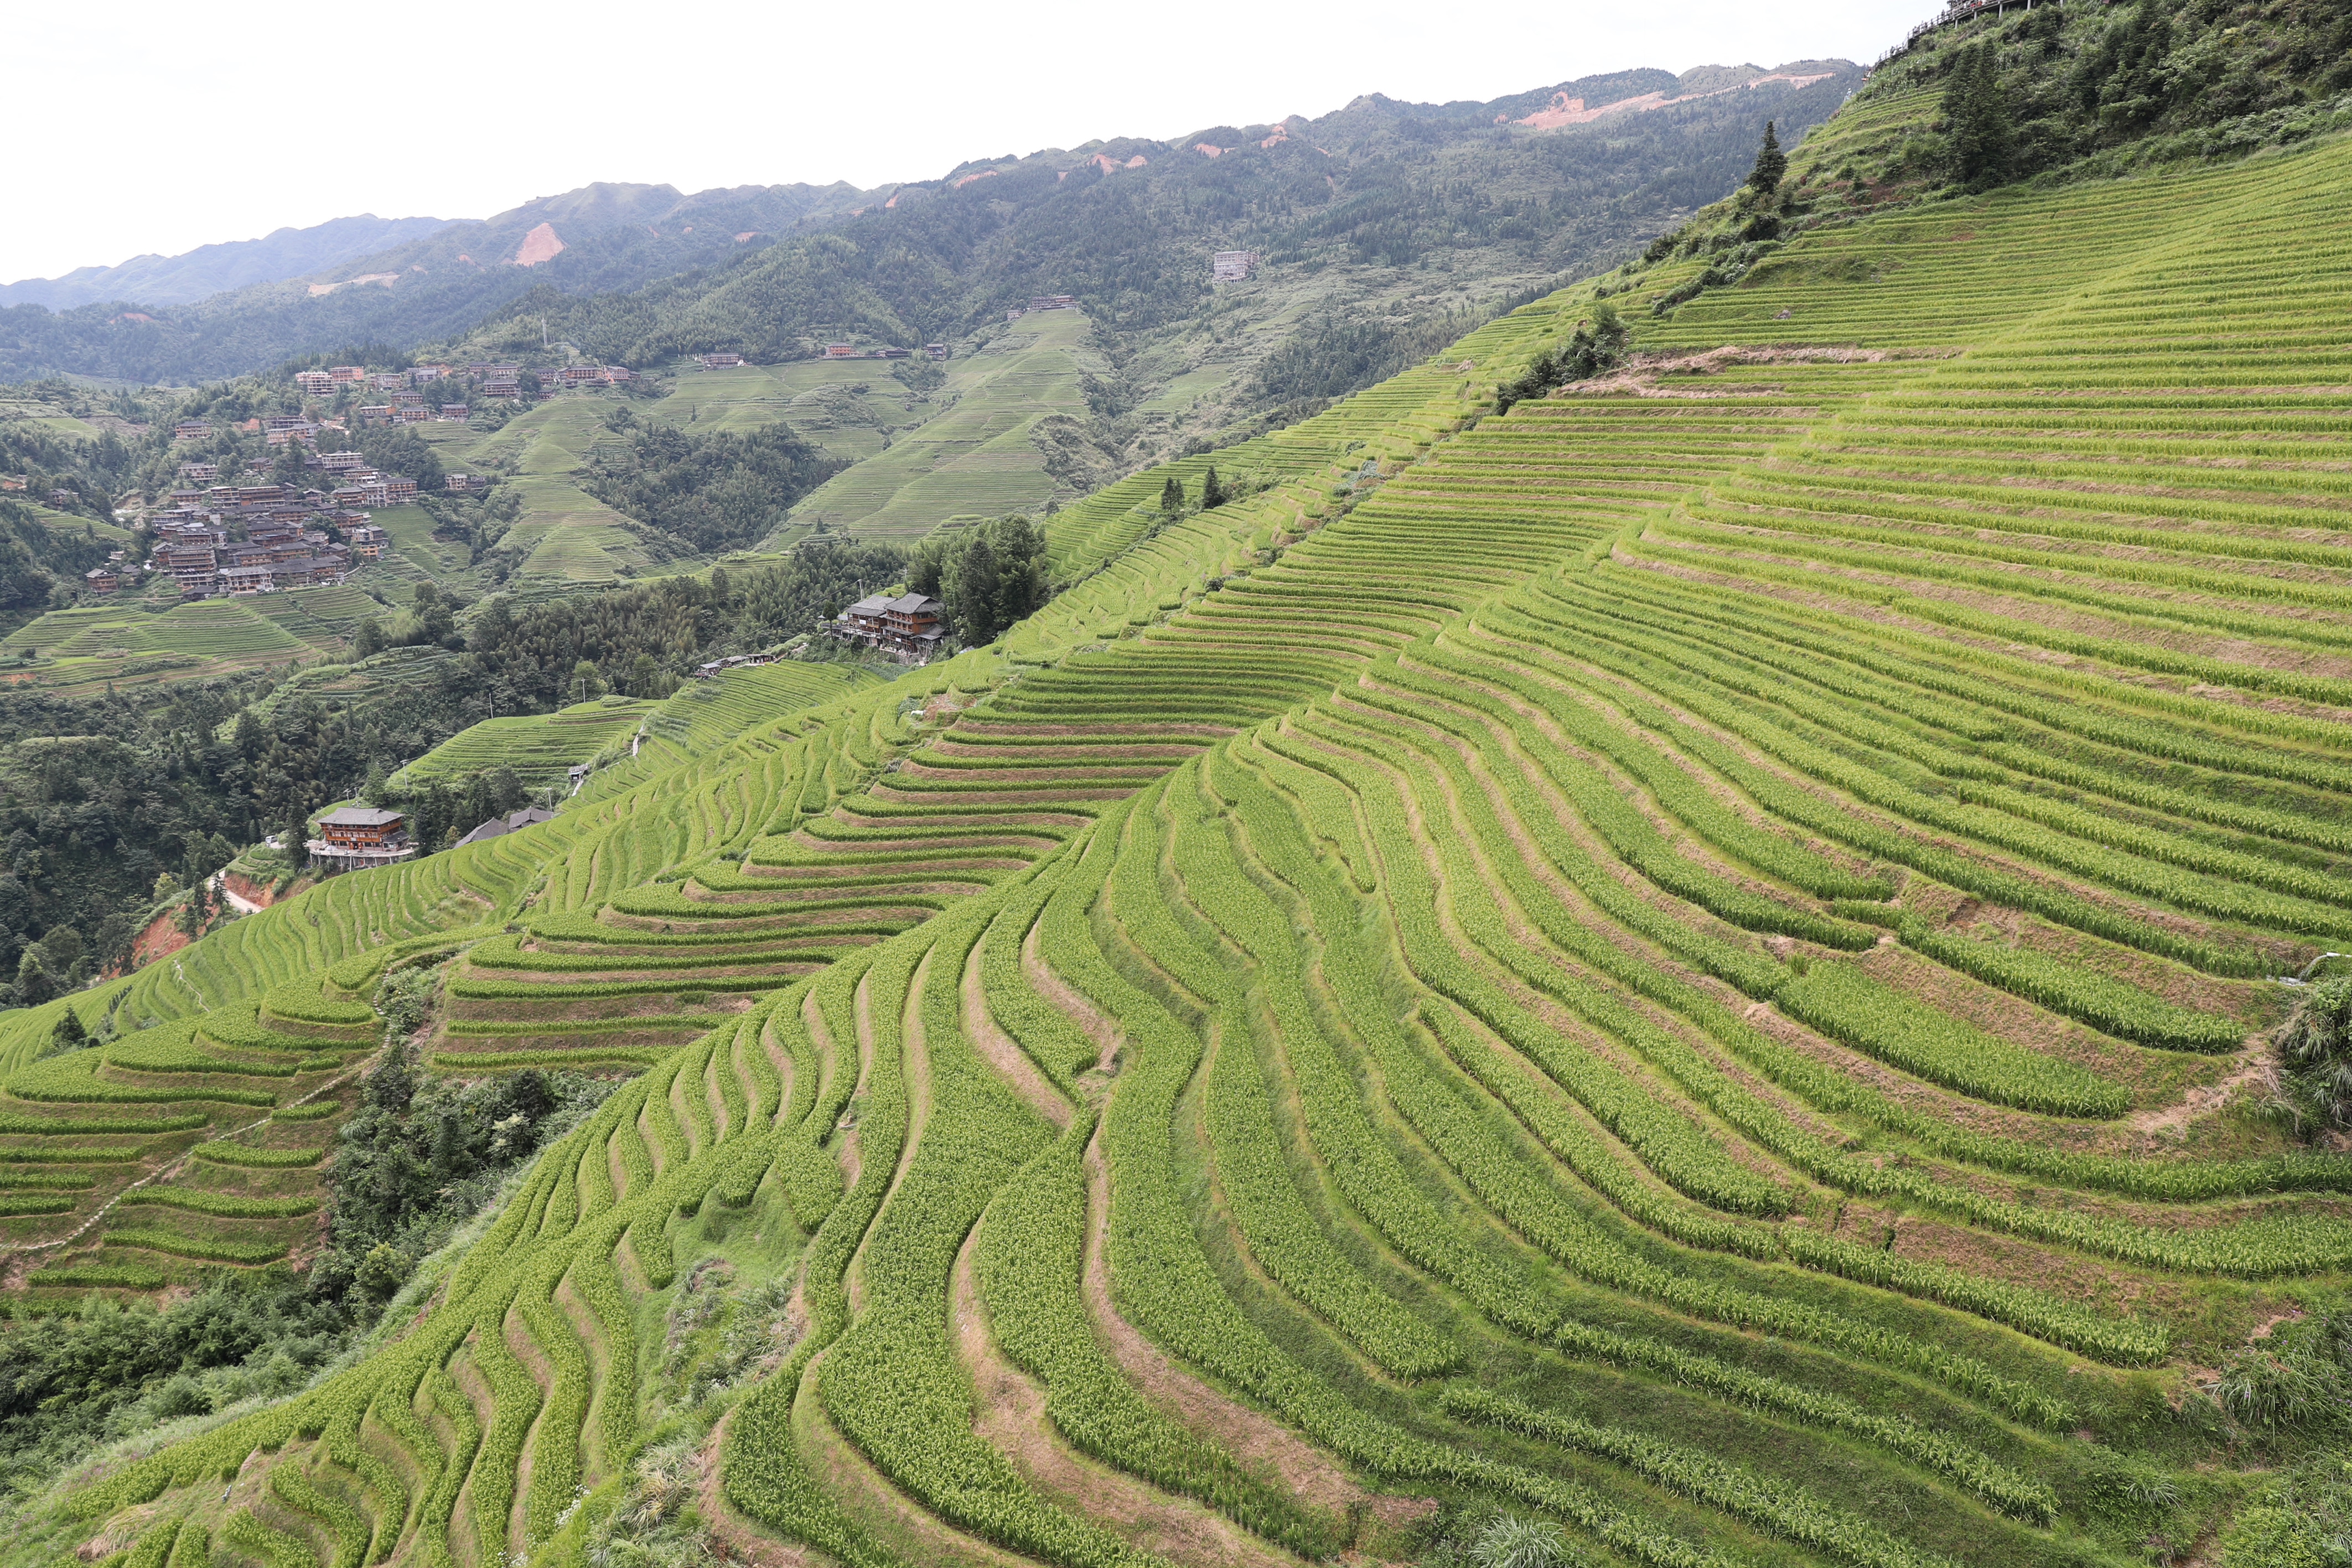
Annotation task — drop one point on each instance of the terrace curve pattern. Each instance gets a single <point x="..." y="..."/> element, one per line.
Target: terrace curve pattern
<point x="1653" y="960"/>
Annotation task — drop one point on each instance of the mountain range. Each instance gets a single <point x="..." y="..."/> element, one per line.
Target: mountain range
<point x="210" y="269"/>
<point x="1553" y="185"/>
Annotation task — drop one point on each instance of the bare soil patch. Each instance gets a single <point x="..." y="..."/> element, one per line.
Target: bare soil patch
<point x="1009" y="1412"/>
<point x="1256" y="1440"/>
<point x="1002" y="1052"/>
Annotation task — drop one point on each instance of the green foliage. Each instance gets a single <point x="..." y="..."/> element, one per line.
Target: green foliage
<point x="1976" y="118"/>
<point x="2315" y="1055"/>
<point x="2302" y="1519"/>
<point x="725" y="488"/>
<point x="423" y="1152"/>
<point x="1844" y="1003"/>
<point x="1597" y="344"/>
<point x="2299" y="1380"/>
<point x="1771" y="163"/>
<point x="399" y="450"/>
<point x="103" y="1370"/>
<point x="1511" y="1542"/>
<point x="988" y="576"/>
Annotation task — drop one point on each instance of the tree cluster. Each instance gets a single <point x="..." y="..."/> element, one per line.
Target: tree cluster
<point x="715" y="491"/>
<point x="441" y="811"/>
<point x="1597" y="344"/>
<point x="988" y="576"/>
<point x="2044" y="88"/>
<point x="1331" y="355"/>
<point x="424" y="1151"/>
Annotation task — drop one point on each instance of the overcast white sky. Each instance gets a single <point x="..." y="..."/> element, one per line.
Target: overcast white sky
<point x="163" y="126"/>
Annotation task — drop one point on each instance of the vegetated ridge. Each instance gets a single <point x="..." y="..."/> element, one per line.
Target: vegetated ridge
<point x="211" y="269"/>
<point x="1384" y="182"/>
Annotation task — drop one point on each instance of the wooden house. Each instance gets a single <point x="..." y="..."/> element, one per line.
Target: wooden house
<point x="351" y="837"/>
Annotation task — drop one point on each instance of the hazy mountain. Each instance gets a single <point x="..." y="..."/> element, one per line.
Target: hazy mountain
<point x="208" y="269"/>
<point x="1458" y="200"/>
<point x="601" y="236"/>
<point x="1502" y="193"/>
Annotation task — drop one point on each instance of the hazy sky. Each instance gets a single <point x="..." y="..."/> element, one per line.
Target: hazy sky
<point x="173" y="125"/>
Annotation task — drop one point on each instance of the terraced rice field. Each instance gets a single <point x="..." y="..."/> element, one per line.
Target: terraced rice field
<point x="841" y="405"/>
<point x="196" y="1144"/>
<point x="976" y="458"/>
<point x="1673" y="961"/>
<point x="89" y="647"/>
<point x="541" y="748"/>
<point x="574" y="537"/>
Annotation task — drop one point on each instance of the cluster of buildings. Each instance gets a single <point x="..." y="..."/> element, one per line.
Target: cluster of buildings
<point x="494" y="380"/>
<point x="1045" y="302"/>
<point x="258" y="538"/>
<point x="410" y="408"/>
<point x="277" y="429"/>
<point x="724" y="361"/>
<point x="737" y="662"/>
<point x="912" y="625"/>
<point x="403" y="400"/>
<point x="271" y="554"/>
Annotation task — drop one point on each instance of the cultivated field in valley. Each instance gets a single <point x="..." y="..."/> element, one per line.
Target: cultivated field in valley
<point x="1687" y="960"/>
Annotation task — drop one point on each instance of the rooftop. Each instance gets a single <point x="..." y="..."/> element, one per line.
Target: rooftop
<point x="361" y="817"/>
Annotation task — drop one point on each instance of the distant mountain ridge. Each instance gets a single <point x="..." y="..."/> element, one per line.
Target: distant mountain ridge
<point x="655" y="271"/>
<point x="603" y="236"/>
<point x="211" y="269"/>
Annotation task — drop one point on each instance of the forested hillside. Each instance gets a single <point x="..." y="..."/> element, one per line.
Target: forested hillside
<point x="1705" y="930"/>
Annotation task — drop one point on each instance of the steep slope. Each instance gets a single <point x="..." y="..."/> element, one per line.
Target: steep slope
<point x="1375" y="219"/>
<point x="1675" y="960"/>
<point x="213" y="268"/>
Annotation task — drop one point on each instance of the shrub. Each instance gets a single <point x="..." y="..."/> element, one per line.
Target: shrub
<point x="2314" y="1055"/>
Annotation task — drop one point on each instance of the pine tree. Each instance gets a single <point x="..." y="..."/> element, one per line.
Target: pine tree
<point x="1771" y="162"/>
<point x="1213" y="494"/>
<point x="33" y="985"/>
<point x="68" y="1036"/>
<point x="1172" y="496"/>
<point x="1976" y="118"/>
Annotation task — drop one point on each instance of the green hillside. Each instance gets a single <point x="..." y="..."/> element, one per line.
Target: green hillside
<point x="977" y="456"/>
<point x="1683" y="973"/>
<point x="541" y="748"/>
<point x="82" y="650"/>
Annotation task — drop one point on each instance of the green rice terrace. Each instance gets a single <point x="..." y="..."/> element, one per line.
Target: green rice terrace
<point x="76" y="651"/>
<point x="1692" y="962"/>
<point x="541" y="748"/>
